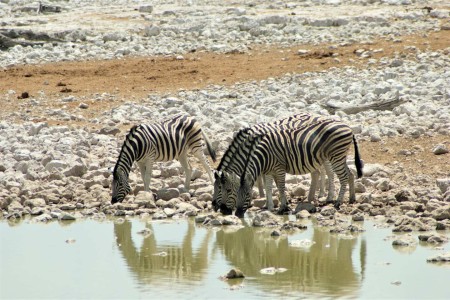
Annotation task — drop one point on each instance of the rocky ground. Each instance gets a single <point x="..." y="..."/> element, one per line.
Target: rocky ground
<point x="76" y="77"/>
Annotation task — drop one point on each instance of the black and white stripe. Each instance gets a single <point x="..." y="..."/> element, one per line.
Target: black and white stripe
<point x="172" y="138"/>
<point x="298" y="151"/>
<point x="233" y="162"/>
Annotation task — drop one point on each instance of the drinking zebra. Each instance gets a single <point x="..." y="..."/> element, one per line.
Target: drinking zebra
<point x="298" y="151"/>
<point x="233" y="161"/>
<point x="172" y="138"/>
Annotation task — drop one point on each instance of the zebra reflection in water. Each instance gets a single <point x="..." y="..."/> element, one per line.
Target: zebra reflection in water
<point x="326" y="269"/>
<point x="181" y="262"/>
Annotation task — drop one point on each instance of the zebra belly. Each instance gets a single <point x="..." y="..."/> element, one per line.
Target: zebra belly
<point x="294" y="170"/>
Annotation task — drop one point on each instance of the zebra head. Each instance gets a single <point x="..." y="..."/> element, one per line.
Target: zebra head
<point x="244" y="196"/>
<point x="217" y="194"/>
<point x="244" y="193"/>
<point x="120" y="186"/>
<point x="229" y="185"/>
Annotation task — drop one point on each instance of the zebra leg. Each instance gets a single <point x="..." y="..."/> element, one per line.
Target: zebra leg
<point x="342" y="172"/>
<point x="146" y="167"/>
<point x="330" y="175"/>
<point x="187" y="169"/>
<point x="322" y="182"/>
<point x="260" y="185"/>
<point x="351" y="187"/>
<point x="280" y="182"/>
<point x="312" y="189"/>
<point x="141" y="166"/>
<point x="202" y="158"/>
<point x="269" y="199"/>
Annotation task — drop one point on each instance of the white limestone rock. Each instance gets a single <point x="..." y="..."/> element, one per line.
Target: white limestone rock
<point x="147" y="8"/>
<point x="443" y="184"/>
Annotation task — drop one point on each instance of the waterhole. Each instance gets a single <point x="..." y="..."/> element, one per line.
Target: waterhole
<point x="135" y="258"/>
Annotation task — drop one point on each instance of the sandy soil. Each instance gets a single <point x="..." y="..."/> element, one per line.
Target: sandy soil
<point x="132" y="79"/>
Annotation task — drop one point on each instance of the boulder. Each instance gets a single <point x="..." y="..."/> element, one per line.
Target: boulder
<point x="328" y="211"/>
<point x="442" y="213"/>
<point x="265" y="218"/>
<point x="309" y="207"/>
<point x="36" y="202"/>
<point x="167" y="194"/>
<point x="440" y="149"/>
<point x="443" y="184"/>
<point x="440" y="258"/>
<point x="235" y="273"/>
<point x="147" y="8"/>
<point x="405" y="195"/>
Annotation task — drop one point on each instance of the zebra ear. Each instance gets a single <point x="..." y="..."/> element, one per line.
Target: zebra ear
<point x="216" y="174"/>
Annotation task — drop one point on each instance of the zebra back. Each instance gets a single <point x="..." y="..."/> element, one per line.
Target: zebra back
<point x="303" y="149"/>
<point x="236" y="147"/>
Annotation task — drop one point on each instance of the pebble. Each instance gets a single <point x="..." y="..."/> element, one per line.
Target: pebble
<point x="145" y="232"/>
<point x="301" y="243"/>
<point x="235" y="273"/>
<point x="440" y="258"/>
<point x="272" y="270"/>
<point x="440" y="149"/>
<point x="405" y="242"/>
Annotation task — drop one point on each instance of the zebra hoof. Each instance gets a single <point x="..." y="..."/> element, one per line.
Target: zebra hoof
<point x="283" y="210"/>
<point x="226" y="211"/>
<point x="239" y="213"/>
<point x="268" y="208"/>
<point x="337" y="205"/>
<point x="330" y="201"/>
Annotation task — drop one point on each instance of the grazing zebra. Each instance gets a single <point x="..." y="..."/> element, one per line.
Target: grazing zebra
<point x="233" y="162"/>
<point x="172" y="138"/>
<point x="298" y="151"/>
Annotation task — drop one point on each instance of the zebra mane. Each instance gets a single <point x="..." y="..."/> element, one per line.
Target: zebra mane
<point x="234" y="146"/>
<point x="128" y="136"/>
<point x="254" y="142"/>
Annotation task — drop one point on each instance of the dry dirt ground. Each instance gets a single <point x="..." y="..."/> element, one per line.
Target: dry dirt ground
<point x="134" y="78"/>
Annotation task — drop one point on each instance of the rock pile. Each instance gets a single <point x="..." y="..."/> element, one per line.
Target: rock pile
<point x="170" y="28"/>
<point x="57" y="172"/>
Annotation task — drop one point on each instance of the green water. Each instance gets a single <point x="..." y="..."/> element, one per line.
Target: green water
<point x="111" y="260"/>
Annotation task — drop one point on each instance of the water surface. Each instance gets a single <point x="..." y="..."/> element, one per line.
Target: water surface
<point x="110" y="259"/>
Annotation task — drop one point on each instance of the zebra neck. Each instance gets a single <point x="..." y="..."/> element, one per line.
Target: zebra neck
<point x="122" y="169"/>
<point x="252" y="174"/>
<point x="126" y="160"/>
<point x="236" y="151"/>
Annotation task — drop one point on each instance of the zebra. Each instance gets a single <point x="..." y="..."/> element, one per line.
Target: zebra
<point x="172" y="138"/>
<point x="233" y="161"/>
<point x="229" y="180"/>
<point x="298" y="151"/>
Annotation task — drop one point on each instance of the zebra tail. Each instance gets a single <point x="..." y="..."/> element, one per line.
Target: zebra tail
<point x="358" y="162"/>
<point x="211" y="150"/>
